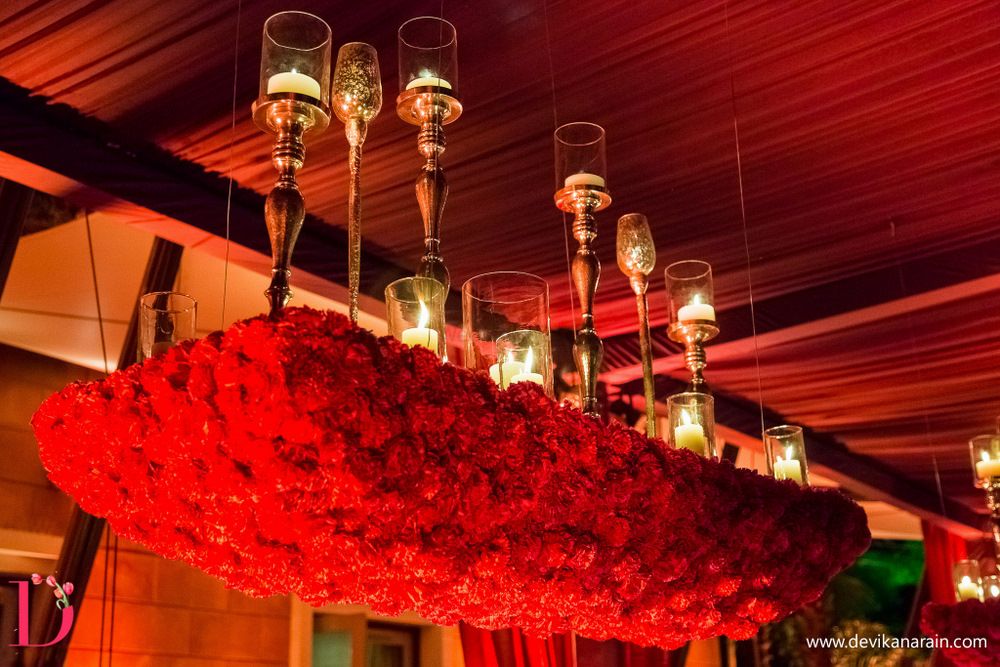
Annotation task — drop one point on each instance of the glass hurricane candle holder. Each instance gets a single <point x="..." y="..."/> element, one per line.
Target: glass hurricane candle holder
<point x="991" y="587"/>
<point x="523" y="356"/>
<point x="968" y="584"/>
<point x="165" y="319"/>
<point x="691" y="423"/>
<point x="691" y="298"/>
<point x="580" y="156"/>
<point x="785" y="449"/>
<point x="428" y="54"/>
<point x="690" y="292"/>
<point x="415" y="313"/>
<point x="295" y="60"/>
<point x="985" y="453"/>
<point x="499" y="303"/>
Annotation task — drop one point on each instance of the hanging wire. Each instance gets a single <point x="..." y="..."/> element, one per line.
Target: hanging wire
<point x="743" y="219"/>
<point x="912" y="337"/>
<point x="104" y="354"/>
<point x="555" y="126"/>
<point x="232" y="143"/>
<point x="97" y="295"/>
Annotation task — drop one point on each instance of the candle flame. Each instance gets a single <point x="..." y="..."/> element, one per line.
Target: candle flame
<point x="529" y="360"/>
<point x="986" y="456"/>
<point x="789" y="453"/>
<point x="696" y="299"/>
<point x="686" y="418"/>
<point x="966" y="580"/>
<point x="424" y="318"/>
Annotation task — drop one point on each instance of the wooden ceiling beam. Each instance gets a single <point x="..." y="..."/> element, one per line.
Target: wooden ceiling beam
<point x="62" y="140"/>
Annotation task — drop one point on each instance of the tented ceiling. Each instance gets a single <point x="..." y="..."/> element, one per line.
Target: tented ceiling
<point x="869" y="135"/>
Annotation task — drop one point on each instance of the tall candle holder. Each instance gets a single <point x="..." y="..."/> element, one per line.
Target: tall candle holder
<point x="692" y="315"/>
<point x="636" y="259"/>
<point x="581" y="176"/>
<point x="294" y="99"/>
<point x="785" y="450"/>
<point x="985" y="453"/>
<point x="428" y="77"/>
<point x="691" y="418"/>
<point x="357" y="99"/>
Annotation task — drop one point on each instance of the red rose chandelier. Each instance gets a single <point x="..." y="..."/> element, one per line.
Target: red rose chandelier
<point x="302" y="454"/>
<point x="298" y="453"/>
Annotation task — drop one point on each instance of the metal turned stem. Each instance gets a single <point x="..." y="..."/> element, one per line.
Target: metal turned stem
<point x="432" y="194"/>
<point x="993" y="504"/>
<point x="588" y="349"/>
<point x="287" y="117"/>
<point x="696" y="360"/>
<point x="355" y="130"/>
<point x="639" y="285"/>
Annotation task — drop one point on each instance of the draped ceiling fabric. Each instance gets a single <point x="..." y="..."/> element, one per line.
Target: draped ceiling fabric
<point x="869" y="148"/>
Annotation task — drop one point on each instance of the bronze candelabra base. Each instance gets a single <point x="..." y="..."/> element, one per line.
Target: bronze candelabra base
<point x="288" y="117"/>
<point x="588" y="349"/>
<point x="430" y="108"/>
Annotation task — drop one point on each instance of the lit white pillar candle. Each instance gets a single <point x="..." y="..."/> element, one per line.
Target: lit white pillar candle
<point x="526" y="374"/>
<point x="421" y="335"/>
<point x="504" y="375"/>
<point x="968" y="589"/>
<point x="788" y="468"/>
<point x="293" y="82"/>
<point x="423" y="81"/>
<point x="583" y="179"/>
<point x="696" y="310"/>
<point x="987" y="467"/>
<point x="689" y="435"/>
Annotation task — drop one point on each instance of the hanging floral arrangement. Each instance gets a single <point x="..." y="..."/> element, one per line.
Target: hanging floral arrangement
<point x="968" y="620"/>
<point x="301" y="454"/>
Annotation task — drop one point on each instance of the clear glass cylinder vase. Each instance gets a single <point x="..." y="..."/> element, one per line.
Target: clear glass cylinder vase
<point x="968" y="583"/>
<point x="165" y="319"/>
<point x="428" y="54"/>
<point x="581" y="160"/>
<point x="523" y="356"/>
<point x="691" y="417"/>
<point x="415" y="313"/>
<point x="295" y="57"/>
<point x="991" y="587"/>
<point x="690" y="292"/>
<point x="985" y="453"/>
<point x="499" y="303"/>
<point x="785" y="449"/>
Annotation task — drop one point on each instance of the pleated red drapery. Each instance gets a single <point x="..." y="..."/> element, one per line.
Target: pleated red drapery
<point x="512" y="648"/>
<point x="941" y="550"/>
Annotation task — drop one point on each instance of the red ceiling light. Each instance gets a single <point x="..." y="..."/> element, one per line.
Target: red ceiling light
<point x="302" y="454"/>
